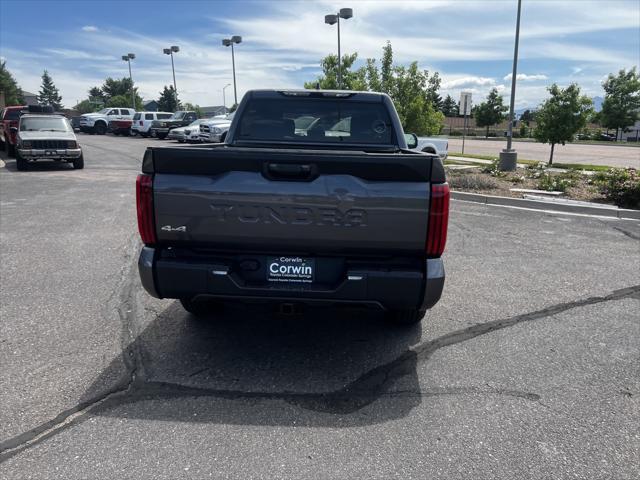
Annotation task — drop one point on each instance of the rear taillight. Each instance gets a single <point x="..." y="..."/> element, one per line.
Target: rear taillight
<point x="141" y="123"/>
<point x="144" y="203"/>
<point x="438" y="219"/>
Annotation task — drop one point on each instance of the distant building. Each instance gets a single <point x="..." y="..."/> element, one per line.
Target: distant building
<point x="30" y="98"/>
<point x="213" y="111"/>
<point x="151" y="106"/>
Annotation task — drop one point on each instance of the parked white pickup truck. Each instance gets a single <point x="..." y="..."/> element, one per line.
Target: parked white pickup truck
<point x="98" y="122"/>
<point x="434" y="145"/>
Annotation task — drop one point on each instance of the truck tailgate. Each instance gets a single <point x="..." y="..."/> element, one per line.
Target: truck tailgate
<point x="290" y="200"/>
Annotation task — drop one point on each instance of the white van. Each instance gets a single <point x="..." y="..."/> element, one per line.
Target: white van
<point x="142" y="121"/>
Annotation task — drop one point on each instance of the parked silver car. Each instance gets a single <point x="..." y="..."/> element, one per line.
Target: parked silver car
<point x="46" y="137"/>
<point x="190" y="133"/>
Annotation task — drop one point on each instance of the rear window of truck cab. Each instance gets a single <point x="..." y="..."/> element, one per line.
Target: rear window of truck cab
<point x="316" y="120"/>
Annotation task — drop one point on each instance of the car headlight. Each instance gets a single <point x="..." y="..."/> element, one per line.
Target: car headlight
<point x="26" y="144"/>
<point x="163" y="124"/>
<point x="72" y="144"/>
<point x="217" y="130"/>
<point x="187" y="132"/>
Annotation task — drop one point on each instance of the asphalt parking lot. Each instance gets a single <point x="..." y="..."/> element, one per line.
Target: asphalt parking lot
<point x="609" y="155"/>
<point x="529" y="367"/>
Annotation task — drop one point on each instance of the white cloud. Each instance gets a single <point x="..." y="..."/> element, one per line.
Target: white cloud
<point x="89" y="28"/>
<point x="471" y="81"/>
<point x="525" y="78"/>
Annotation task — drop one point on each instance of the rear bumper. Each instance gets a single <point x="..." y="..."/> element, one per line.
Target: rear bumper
<point x="388" y="289"/>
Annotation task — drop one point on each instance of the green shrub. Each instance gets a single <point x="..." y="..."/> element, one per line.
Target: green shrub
<point x="555" y="183"/>
<point x="472" y="181"/>
<point x="535" y="170"/>
<point x="620" y="185"/>
<point x="493" y="169"/>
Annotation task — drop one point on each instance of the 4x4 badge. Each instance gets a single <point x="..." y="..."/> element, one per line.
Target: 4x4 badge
<point x="169" y="228"/>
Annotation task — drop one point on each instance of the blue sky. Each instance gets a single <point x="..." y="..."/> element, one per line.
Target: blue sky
<point x="470" y="42"/>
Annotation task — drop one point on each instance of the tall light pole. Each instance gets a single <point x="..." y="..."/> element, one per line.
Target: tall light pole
<point x="226" y="42"/>
<point x="224" y="98"/>
<point x="170" y="51"/>
<point x="508" y="156"/>
<point x="344" y="13"/>
<point x="127" y="58"/>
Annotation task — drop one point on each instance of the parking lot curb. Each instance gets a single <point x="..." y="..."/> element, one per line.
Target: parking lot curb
<point x="601" y="211"/>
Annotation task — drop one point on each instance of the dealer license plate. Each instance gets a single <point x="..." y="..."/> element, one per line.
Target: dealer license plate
<point x="290" y="269"/>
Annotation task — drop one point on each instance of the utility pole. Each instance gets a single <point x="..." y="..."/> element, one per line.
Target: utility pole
<point x="344" y="13"/>
<point x="127" y="58"/>
<point x="508" y="156"/>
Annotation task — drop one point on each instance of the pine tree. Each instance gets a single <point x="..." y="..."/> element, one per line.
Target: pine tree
<point x="449" y="107"/>
<point x="491" y="112"/>
<point x="49" y="94"/>
<point x="167" y="101"/>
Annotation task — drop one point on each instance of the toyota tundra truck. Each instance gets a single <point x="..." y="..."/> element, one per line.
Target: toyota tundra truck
<point x="333" y="210"/>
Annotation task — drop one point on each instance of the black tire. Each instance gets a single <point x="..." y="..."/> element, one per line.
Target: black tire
<point x="21" y="163"/>
<point x="100" y="128"/>
<point x="406" y="316"/>
<point x="202" y="308"/>
<point x="116" y="133"/>
<point x="161" y="136"/>
<point x="154" y="134"/>
<point x="9" y="149"/>
<point x="78" y="163"/>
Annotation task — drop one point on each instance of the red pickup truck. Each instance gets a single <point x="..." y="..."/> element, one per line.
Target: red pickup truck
<point x="120" y="126"/>
<point x="9" y="116"/>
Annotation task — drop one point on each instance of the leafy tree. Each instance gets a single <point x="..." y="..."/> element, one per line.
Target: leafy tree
<point x="87" y="106"/>
<point x="8" y="85"/>
<point x="528" y="116"/>
<point x="96" y="93"/>
<point x="373" y="75"/>
<point x="433" y="85"/>
<point x="351" y="80"/>
<point x="563" y="115"/>
<point x="113" y="88"/>
<point x="167" y="101"/>
<point x="386" y="72"/>
<point x="491" y="112"/>
<point x="621" y="106"/>
<point x="49" y="94"/>
<point x="449" y="107"/>
<point x="196" y="108"/>
<point x="411" y="99"/>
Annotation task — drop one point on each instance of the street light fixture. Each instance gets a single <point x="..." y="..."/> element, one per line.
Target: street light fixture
<point x="127" y="58"/>
<point x="344" y="13"/>
<point x="224" y="98"/>
<point x="170" y="51"/>
<point x="229" y="42"/>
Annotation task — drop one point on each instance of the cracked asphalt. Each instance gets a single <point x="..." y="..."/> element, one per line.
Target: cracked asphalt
<point x="529" y="367"/>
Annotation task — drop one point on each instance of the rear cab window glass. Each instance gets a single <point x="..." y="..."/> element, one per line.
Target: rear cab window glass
<point x="316" y="120"/>
<point x="164" y="116"/>
<point x="12" y="114"/>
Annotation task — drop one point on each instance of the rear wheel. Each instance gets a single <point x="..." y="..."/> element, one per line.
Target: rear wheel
<point x="100" y="128"/>
<point x="405" y="316"/>
<point x="201" y="308"/>
<point x="21" y="163"/>
<point x="78" y="163"/>
<point x="10" y="149"/>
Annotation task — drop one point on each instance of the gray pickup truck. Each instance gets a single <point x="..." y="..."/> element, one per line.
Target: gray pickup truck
<point x="315" y="198"/>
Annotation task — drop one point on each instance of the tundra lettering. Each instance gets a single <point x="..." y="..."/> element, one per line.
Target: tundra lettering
<point x="287" y="215"/>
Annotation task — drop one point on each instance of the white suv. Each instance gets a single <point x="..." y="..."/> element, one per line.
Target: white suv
<point x="99" y="122"/>
<point x="142" y="121"/>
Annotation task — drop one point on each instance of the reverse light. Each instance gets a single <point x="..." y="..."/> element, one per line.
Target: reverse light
<point x="438" y="219"/>
<point x="144" y="205"/>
